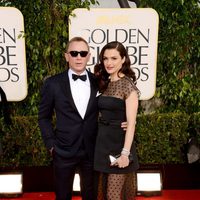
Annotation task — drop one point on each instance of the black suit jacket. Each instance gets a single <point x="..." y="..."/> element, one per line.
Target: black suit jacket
<point x="70" y="131"/>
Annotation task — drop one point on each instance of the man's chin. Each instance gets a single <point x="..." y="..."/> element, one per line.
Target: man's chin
<point x="79" y="70"/>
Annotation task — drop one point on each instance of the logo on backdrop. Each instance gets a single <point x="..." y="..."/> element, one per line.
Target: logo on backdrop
<point x="13" y="75"/>
<point x="136" y="28"/>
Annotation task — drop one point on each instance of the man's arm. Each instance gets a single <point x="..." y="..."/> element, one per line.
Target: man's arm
<point x="46" y="109"/>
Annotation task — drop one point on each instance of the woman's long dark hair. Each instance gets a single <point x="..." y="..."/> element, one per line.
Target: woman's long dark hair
<point x="99" y="69"/>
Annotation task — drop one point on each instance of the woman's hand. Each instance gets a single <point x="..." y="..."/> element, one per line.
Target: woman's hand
<point x="123" y="161"/>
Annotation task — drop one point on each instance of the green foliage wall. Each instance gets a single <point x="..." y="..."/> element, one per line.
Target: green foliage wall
<point x="46" y="35"/>
<point x="160" y="138"/>
<point x="178" y="83"/>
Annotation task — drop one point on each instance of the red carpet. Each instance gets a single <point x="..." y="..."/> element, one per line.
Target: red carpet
<point x="166" y="195"/>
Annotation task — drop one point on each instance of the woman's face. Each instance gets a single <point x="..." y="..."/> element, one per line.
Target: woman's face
<point x="112" y="61"/>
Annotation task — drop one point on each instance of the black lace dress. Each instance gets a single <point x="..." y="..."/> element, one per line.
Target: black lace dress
<point x="111" y="136"/>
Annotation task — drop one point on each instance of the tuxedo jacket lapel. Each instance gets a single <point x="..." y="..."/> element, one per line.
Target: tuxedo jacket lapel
<point x="65" y="85"/>
<point x="93" y="87"/>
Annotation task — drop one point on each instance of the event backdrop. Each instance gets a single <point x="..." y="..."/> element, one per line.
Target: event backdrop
<point x="13" y="73"/>
<point x="136" y="28"/>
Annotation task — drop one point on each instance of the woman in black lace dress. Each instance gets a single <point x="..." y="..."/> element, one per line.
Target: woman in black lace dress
<point x="118" y="103"/>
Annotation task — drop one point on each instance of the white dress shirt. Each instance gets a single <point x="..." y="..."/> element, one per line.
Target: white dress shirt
<point x="80" y="92"/>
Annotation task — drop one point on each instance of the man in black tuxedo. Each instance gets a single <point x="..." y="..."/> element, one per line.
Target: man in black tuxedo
<point x="72" y="96"/>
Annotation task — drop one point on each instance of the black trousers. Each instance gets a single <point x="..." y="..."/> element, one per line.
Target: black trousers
<point x="64" y="171"/>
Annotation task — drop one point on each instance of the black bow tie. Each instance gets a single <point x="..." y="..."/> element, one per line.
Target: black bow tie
<point x="82" y="77"/>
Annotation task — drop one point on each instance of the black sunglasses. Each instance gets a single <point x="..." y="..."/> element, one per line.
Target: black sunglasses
<point x="75" y="53"/>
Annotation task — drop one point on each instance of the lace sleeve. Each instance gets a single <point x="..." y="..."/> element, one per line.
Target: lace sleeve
<point x="121" y="88"/>
<point x="129" y="87"/>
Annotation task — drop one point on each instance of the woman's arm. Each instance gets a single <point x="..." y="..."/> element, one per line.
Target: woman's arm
<point x="131" y="114"/>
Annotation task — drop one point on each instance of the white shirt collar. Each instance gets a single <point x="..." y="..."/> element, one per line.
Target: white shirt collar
<point x="70" y="72"/>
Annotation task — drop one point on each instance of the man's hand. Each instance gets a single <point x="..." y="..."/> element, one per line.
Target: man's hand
<point x="51" y="150"/>
<point x="124" y="125"/>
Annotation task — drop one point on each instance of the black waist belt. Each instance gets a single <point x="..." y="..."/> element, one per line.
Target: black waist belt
<point x="110" y="122"/>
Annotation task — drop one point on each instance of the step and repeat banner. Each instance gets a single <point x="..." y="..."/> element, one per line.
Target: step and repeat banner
<point x="13" y="73"/>
<point x="136" y="28"/>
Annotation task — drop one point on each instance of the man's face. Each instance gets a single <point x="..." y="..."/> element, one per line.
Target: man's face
<point x="77" y="62"/>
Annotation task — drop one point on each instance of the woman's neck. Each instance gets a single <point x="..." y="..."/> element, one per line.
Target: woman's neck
<point x="116" y="77"/>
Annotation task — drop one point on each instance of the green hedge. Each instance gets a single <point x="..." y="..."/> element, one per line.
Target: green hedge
<point x="160" y="138"/>
<point x="22" y="144"/>
<point x="194" y="126"/>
